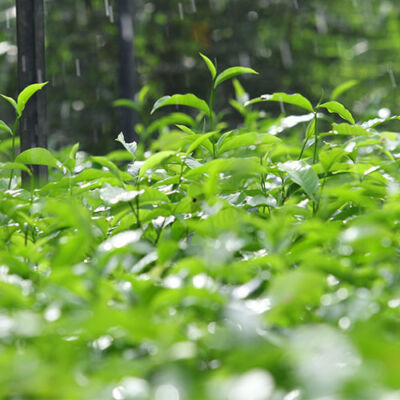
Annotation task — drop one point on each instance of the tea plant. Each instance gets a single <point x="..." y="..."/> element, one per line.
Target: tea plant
<point x="255" y="263"/>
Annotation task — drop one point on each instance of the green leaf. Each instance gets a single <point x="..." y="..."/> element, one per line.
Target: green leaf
<point x="295" y="99"/>
<point x="302" y="173"/>
<point x="74" y="150"/>
<point x="5" y="128"/>
<point x="239" y="165"/>
<point x="37" y="156"/>
<point x="231" y="73"/>
<point x="153" y="196"/>
<point x="143" y="93"/>
<point x="246" y="139"/>
<point x="335" y="107"/>
<point x="154" y="160"/>
<point x="91" y="174"/>
<point x="346" y="129"/>
<point x="15" y="165"/>
<point x="126" y="103"/>
<point x="240" y="93"/>
<point x="104" y="162"/>
<point x="311" y="128"/>
<point x="186" y="129"/>
<point x="131" y="147"/>
<point x="115" y="194"/>
<point x="210" y="66"/>
<point x="26" y="94"/>
<point x="328" y="158"/>
<point x="296" y="288"/>
<point x="11" y="101"/>
<point x="170" y="119"/>
<point x="71" y="160"/>
<point x="344" y="87"/>
<point x="199" y="140"/>
<point x="189" y="100"/>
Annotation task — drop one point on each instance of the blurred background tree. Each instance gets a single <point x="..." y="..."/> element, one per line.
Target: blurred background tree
<point x="305" y="46"/>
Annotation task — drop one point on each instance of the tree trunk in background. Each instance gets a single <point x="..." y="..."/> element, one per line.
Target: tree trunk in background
<point x="31" y="69"/>
<point x="127" y="68"/>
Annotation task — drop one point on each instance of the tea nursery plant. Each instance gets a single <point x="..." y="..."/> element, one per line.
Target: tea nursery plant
<point x="256" y="263"/>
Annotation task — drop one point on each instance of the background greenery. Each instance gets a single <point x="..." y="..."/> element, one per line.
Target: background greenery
<point x="308" y="46"/>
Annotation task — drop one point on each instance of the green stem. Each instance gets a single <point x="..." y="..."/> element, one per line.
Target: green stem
<point x="181" y="171"/>
<point x="315" y="156"/>
<point x="159" y="231"/>
<point x="137" y="205"/>
<point x="14" y="132"/>
<point x="302" y="148"/>
<point x="211" y="114"/>
<point x="321" y="191"/>
<point x="210" y="106"/>
<point x="283" y="192"/>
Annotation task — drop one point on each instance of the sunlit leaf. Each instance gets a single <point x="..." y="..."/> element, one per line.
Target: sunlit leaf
<point x="231" y="73"/>
<point x="103" y="161"/>
<point x="349" y="130"/>
<point x="16" y="166"/>
<point x="11" y="101"/>
<point x="335" y="107"/>
<point x="115" y="194"/>
<point x="342" y="88"/>
<point x="329" y="157"/>
<point x="189" y="100"/>
<point x="131" y="147"/>
<point x="5" y="128"/>
<point x="38" y="156"/>
<point x="210" y="65"/>
<point x="302" y="173"/>
<point x="171" y="119"/>
<point x="199" y="141"/>
<point x="186" y="129"/>
<point x="295" y="99"/>
<point x="246" y="139"/>
<point x="26" y="94"/>
<point x="154" y="160"/>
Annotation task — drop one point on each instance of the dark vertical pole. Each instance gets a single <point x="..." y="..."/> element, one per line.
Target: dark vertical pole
<point x="31" y="69"/>
<point x="127" y="67"/>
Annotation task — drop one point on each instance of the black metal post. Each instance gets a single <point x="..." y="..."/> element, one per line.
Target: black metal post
<point x="127" y="68"/>
<point x="32" y="69"/>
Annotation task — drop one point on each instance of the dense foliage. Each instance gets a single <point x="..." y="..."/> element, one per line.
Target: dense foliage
<point x="256" y="263"/>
